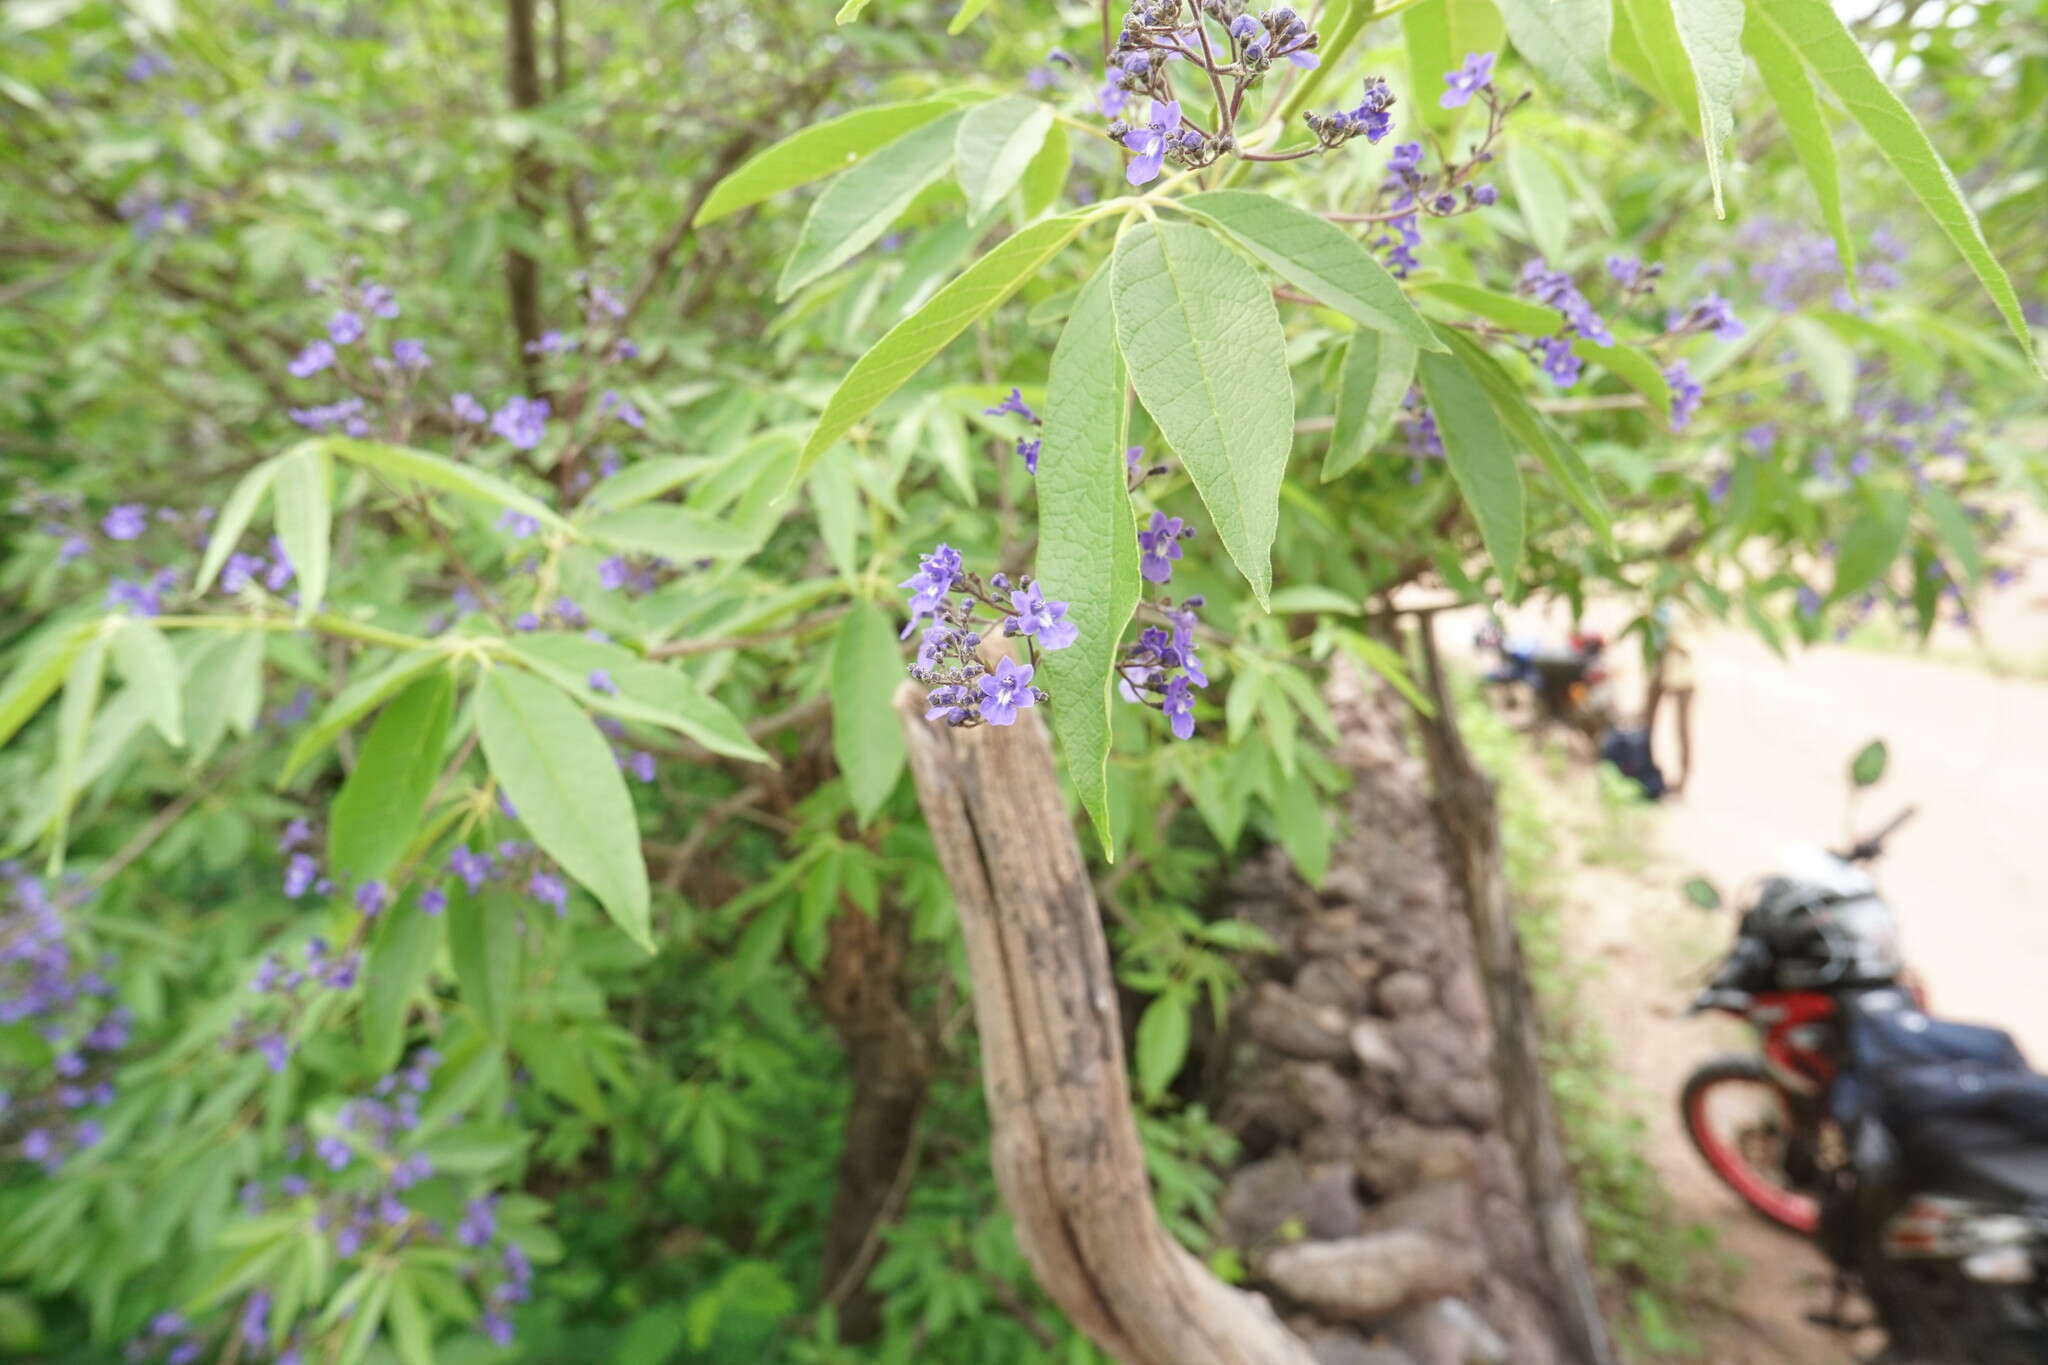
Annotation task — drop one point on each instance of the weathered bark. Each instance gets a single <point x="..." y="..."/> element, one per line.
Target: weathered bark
<point x="861" y="991"/>
<point x="1471" y="822"/>
<point x="530" y="177"/>
<point x="1065" y="1149"/>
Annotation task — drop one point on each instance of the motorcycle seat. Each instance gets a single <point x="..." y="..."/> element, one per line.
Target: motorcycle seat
<point x="1976" y="1159"/>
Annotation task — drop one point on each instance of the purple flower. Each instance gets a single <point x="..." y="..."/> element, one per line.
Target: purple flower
<point x="1468" y="80"/>
<point x="611" y="404"/>
<point x="601" y="682"/>
<point x="523" y="421"/>
<point x="334" y="1152"/>
<point x="1006" y="690"/>
<point x="1147" y="144"/>
<point x="300" y="872"/>
<point x="410" y="354"/>
<point x="126" y="521"/>
<point x="276" y="1051"/>
<point x="1484" y="195"/>
<point x="932" y="582"/>
<point x="467" y="409"/>
<point x="317" y="356"/>
<point x="1159" y="546"/>
<point x="433" y="900"/>
<point x="240" y="571"/>
<point x="1559" y="363"/>
<point x="1133" y="456"/>
<point x="1624" y="270"/>
<point x="1809" y="602"/>
<point x="1042" y="620"/>
<point x="371" y="897"/>
<point x="479" y="1222"/>
<point x="548" y="889"/>
<point x="1013" y="404"/>
<point x="497" y="1327"/>
<point x="613" y="573"/>
<point x="1027" y="447"/>
<point x="1407" y="157"/>
<point x="1179" y="706"/>
<point x="379" y="300"/>
<point x="345" y="328"/>
<point x="1685" y="393"/>
<point x="519" y="524"/>
<point x="473" y="868"/>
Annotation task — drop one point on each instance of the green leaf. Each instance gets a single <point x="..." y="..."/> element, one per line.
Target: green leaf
<point x="1711" y="33"/>
<point x="1952" y="524"/>
<point x="1637" y="369"/>
<point x="644" y="480"/>
<point x="867" y="741"/>
<point x="1377" y="373"/>
<point x="151" y="671"/>
<point x="227" y="528"/>
<point x="1087" y="540"/>
<point x="1791" y="89"/>
<point x="1651" y="26"/>
<point x="1813" y="30"/>
<point x="835" y="503"/>
<point x="1439" y="35"/>
<point x="1517" y="315"/>
<point x="483" y="948"/>
<point x="358" y="699"/>
<point x="410" y="1330"/>
<point x="403" y="951"/>
<point x="1161" y="1042"/>
<point x="560" y="776"/>
<point x="1304" y="833"/>
<point x="402" y="462"/>
<point x="1481" y="461"/>
<point x="1829" y="363"/>
<point x="1386" y="661"/>
<point x="1565" y="40"/>
<point x="81" y="699"/>
<point x="849" y="11"/>
<point x="1315" y="598"/>
<point x="1047" y="174"/>
<point x="820" y="150"/>
<point x="977" y="291"/>
<point x="1702" y="893"/>
<point x="1315" y="255"/>
<point x="1560" y="459"/>
<point x="857" y="207"/>
<point x="1867" y="768"/>
<point x="40" y="672"/>
<point x="672" y="532"/>
<point x="1202" y="339"/>
<point x="305" y="513"/>
<point x="212" y="669"/>
<point x="1541" y="197"/>
<point x="995" y="144"/>
<point x="655" y="693"/>
<point x="969" y="11"/>
<point x="378" y="810"/>
<point x="1870" y="545"/>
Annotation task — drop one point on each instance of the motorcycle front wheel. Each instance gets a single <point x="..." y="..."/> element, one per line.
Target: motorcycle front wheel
<point x="1737" y="1120"/>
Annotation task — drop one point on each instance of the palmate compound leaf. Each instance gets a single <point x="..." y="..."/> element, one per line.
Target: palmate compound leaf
<point x="1087" y="541"/>
<point x="1202" y="339"/>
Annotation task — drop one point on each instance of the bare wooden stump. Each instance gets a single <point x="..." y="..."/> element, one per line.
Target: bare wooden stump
<point x="1066" y="1151"/>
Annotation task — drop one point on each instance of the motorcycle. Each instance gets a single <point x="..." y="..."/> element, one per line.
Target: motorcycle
<point x="1568" y="686"/>
<point x="1914" y="1150"/>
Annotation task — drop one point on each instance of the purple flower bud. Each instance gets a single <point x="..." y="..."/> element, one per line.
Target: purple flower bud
<point x="345" y="328"/>
<point x="372" y="897"/>
<point x="433" y="900"/>
<point x="1468" y="80"/>
<point x="317" y="355"/>
<point x="410" y="354"/>
<point x="126" y="522"/>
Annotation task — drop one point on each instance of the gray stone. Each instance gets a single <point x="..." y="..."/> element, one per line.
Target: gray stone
<point x="1361" y="1279"/>
<point x="1291" y="1025"/>
<point x="1336" y="1346"/>
<point x="1265" y="1196"/>
<point x="1404" y="993"/>
<point x="1374" y="1048"/>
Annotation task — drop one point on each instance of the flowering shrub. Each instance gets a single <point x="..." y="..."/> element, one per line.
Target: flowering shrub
<point x="447" y="758"/>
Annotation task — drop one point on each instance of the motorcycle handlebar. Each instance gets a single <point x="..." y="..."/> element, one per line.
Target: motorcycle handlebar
<point x="1869" y="847"/>
<point x="1735" y="1002"/>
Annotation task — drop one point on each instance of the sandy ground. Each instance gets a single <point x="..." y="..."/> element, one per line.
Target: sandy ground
<point x="1968" y="878"/>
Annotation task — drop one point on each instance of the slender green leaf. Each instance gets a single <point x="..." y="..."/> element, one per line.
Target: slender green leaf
<point x="1516" y="314"/>
<point x="976" y="292"/>
<point x="1087" y="542"/>
<point x="81" y="699"/>
<point x="1666" y="69"/>
<point x="1830" y="364"/>
<point x="1812" y="29"/>
<point x="1636" y="368"/>
<point x="411" y="1332"/>
<point x="402" y="462"/>
<point x="227" y="528"/>
<point x="1304" y="833"/>
<point x="1047" y="174"/>
<point x="849" y="11"/>
<point x="40" y="673"/>
<point x="151" y="671"/>
<point x="1560" y="459"/>
<point x="483" y="948"/>
<point x="1481" y="461"/>
<point x="362" y="696"/>
<point x="1565" y="40"/>
<point x="1438" y="36"/>
<point x="560" y="776"/>
<point x="1952" y="524"/>
<point x="858" y="206"/>
<point x="969" y="11"/>
<point x="1315" y="255"/>
<point x="672" y="532"/>
<point x="378" y="810"/>
<point x="1386" y="661"/>
<point x="305" y="514"/>
<point x="1806" y="124"/>
<point x="1870" y="544"/>
<point x="1161" y="1042"/>
<point x="867" y="741"/>
<point x="654" y="693"/>
<point x="1202" y="339"/>
<point x="400" y="956"/>
<point x="995" y="144"/>
<point x="1377" y="373"/>
<point x="817" y="151"/>
<point x="835" y="503"/>
<point x="1711" y="33"/>
<point x="1540" y="195"/>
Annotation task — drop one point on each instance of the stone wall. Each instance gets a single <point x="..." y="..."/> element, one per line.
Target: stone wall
<point x="1379" y="1203"/>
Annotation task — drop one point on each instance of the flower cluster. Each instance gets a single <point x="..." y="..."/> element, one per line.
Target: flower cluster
<point x="514" y="864"/>
<point x="964" y="690"/>
<point x="1370" y="120"/>
<point x="52" y="1093"/>
<point x="1027" y="446"/>
<point x="1160" y="669"/>
<point x="1410" y="191"/>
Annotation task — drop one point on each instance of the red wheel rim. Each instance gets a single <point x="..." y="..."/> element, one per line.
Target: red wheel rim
<point x="1799" y="1212"/>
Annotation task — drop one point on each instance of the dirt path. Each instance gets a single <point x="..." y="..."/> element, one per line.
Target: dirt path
<point x="1968" y="877"/>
